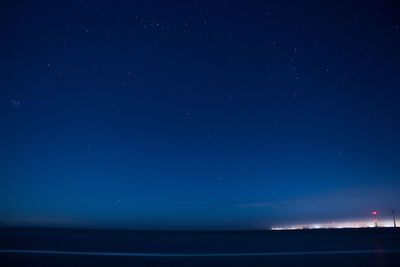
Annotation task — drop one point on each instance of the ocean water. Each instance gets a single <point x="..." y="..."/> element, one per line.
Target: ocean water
<point x="83" y="247"/>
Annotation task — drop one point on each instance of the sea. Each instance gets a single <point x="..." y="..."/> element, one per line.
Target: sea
<point x="22" y="246"/>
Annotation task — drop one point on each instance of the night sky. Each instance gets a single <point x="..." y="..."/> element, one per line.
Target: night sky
<point x="198" y="114"/>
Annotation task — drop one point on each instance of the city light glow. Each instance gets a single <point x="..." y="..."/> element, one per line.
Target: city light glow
<point x="337" y="225"/>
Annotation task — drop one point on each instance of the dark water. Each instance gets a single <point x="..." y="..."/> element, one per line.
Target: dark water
<point x="345" y="247"/>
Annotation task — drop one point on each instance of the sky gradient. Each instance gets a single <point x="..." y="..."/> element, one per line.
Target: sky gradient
<point x="198" y="114"/>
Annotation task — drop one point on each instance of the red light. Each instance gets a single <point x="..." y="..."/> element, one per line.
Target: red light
<point x="374" y="213"/>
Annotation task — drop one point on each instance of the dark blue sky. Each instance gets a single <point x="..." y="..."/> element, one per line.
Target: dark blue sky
<point x="198" y="114"/>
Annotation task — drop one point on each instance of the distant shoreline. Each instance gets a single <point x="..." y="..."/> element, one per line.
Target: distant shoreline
<point x="199" y="230"/>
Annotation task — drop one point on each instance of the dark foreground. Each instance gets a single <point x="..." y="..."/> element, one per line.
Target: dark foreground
<point x="78" y="247"/>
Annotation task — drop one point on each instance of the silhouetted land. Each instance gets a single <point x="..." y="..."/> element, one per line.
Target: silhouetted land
<point x="351" y="247"/>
